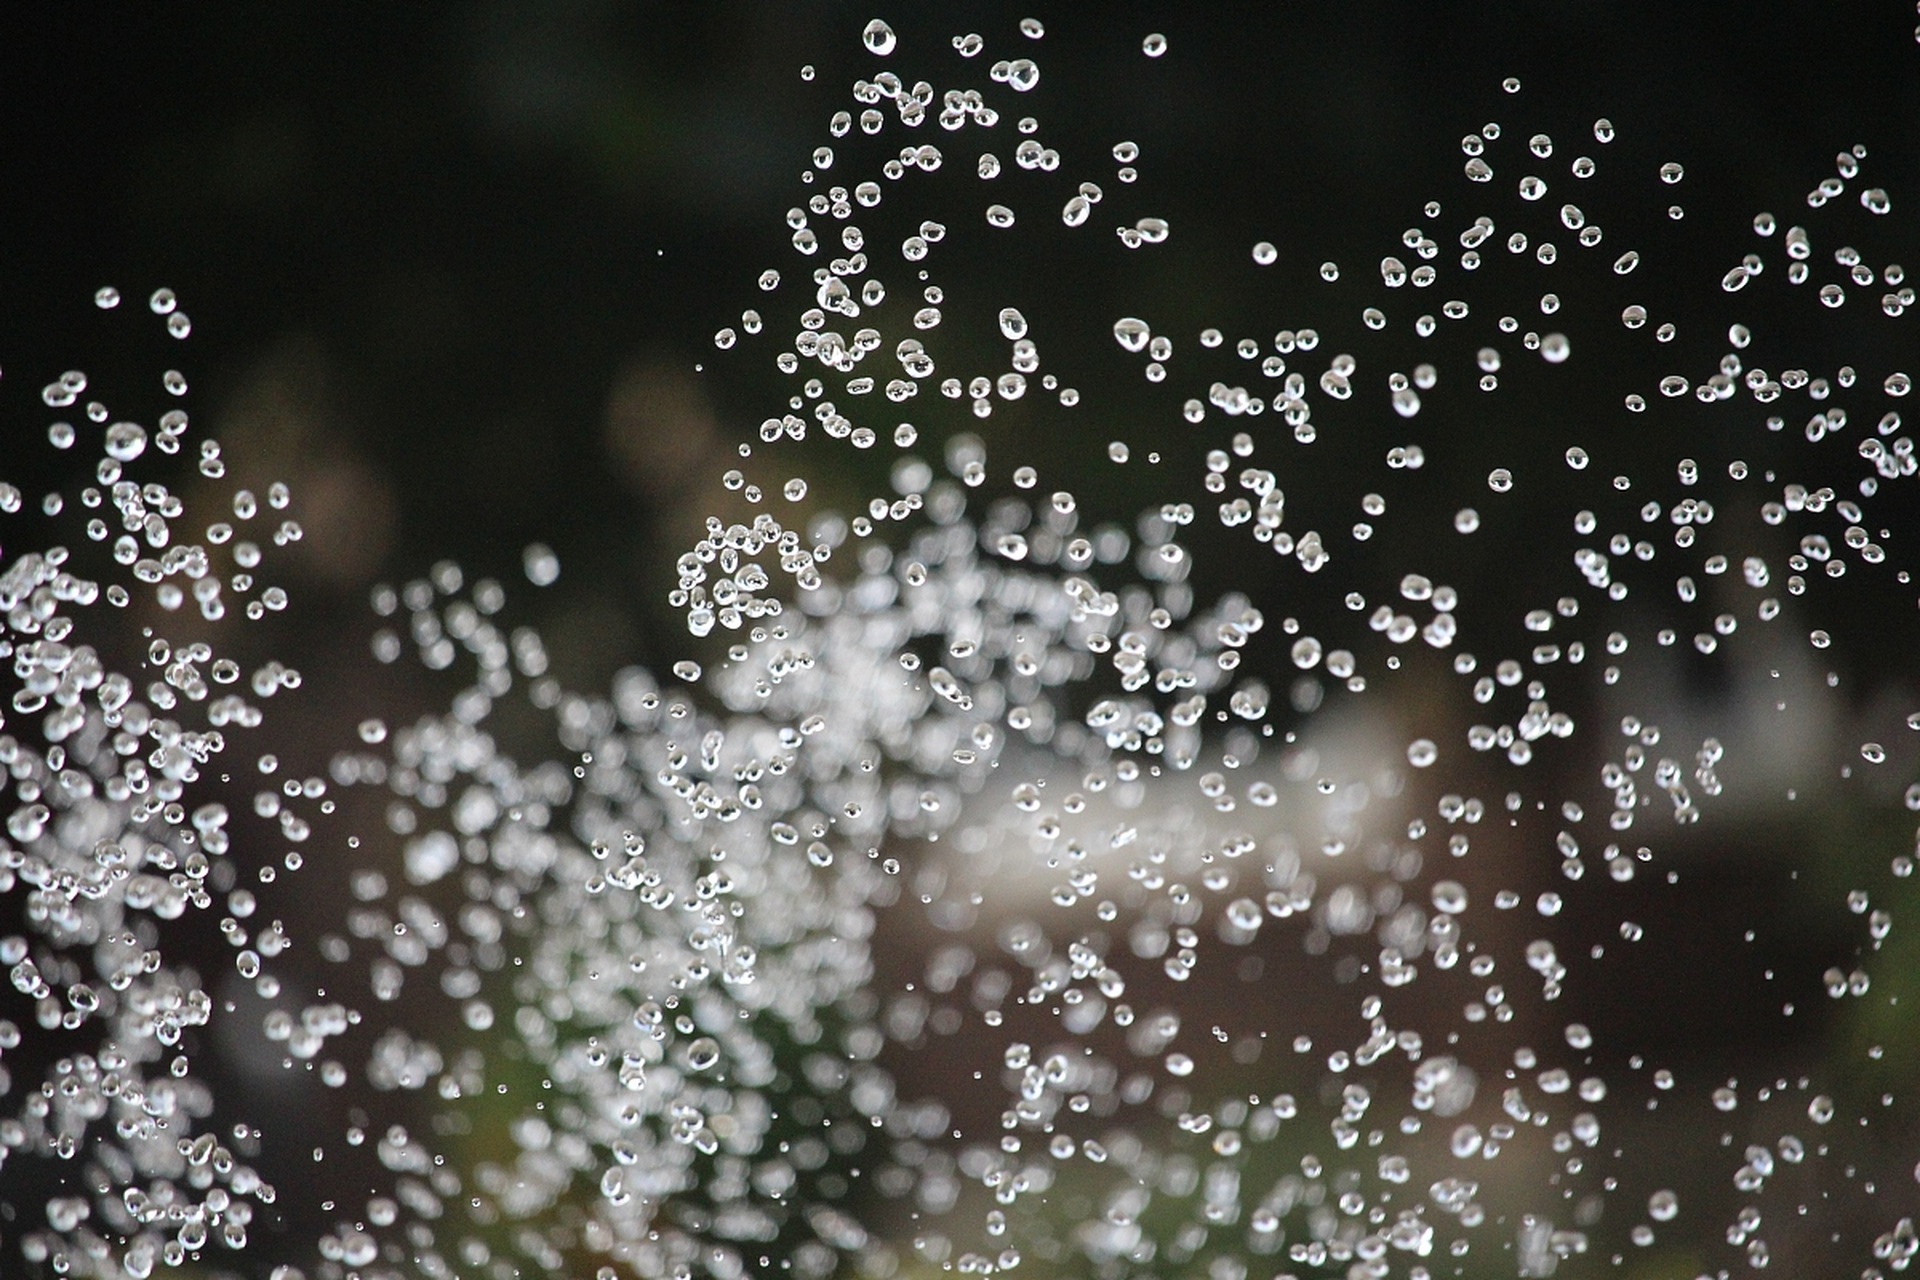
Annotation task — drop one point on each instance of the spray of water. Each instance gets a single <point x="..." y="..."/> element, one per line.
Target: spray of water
<point x="1211" y="939"/>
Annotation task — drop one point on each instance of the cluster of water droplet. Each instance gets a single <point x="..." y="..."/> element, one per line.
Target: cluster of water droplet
<point x="1104" y="789"/>
<point x="649" y="987"/>
<point x="119" y="714"/>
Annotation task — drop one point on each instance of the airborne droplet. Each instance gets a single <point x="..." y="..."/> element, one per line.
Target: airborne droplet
<point x="878" y="37"/>
<point x="542" y="566"/>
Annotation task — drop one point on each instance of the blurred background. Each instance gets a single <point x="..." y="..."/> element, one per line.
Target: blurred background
<point x="454" y="271"/>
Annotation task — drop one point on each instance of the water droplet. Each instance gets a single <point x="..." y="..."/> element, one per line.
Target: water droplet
<point x="703" y="1054"/>
<point x="126" y="441"/>
<point x="878" y="37"/>
<point x="542" y="566"/>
